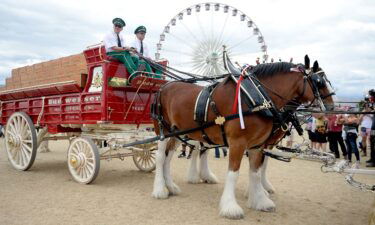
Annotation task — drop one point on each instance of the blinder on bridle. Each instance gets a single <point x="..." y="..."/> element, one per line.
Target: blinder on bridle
<point x="317" y="81"/>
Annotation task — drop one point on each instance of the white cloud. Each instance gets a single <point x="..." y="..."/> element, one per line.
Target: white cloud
<point x="340" y="34"/>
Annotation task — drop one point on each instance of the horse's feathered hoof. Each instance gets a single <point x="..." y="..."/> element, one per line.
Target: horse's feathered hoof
<point x="232" y="211"/>
<point x="173" y="189"/>
<point x="246" y="193"/>
<point x="270" y="209"/>
<point x="194" y="180"/>
<point x="160" y="194"/>
<point x="263" y="204"/>
<point x="209" y="178"/>
<point x="268" y="187"/>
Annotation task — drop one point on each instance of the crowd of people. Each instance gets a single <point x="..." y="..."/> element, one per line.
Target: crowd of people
<point x="350" y="133"/>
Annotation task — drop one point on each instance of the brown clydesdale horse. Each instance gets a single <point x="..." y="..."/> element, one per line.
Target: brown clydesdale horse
<point x="177" y="101"/>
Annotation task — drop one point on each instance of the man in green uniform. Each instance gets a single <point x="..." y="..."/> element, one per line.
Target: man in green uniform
<point x="141" y="47"/>
<point x="116" y="47"/>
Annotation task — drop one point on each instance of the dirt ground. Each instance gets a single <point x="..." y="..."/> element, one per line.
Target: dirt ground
<point x="121" y="194"/>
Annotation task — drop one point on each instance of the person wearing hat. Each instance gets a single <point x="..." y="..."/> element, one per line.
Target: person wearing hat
<point x="139" y="43"/>
<point x="141" y="47"/>
<point x="115" y="47"/>
<point x="114" y="41"/>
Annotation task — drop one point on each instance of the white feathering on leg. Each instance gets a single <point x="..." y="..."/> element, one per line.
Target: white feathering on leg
<point x="160" y="191"/>
<point x="172" y="187"/>
<point x="258" y="198"/>
<point x="193" y="175"/>
<point x="228" y="204"/>
<point x="263" y="176"/>
<point x="205" y="173"/>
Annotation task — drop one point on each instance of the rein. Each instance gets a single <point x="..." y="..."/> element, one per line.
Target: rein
<point x="193" y="77"/>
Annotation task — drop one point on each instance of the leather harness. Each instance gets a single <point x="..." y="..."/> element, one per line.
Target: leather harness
<point x="256" y="98"/>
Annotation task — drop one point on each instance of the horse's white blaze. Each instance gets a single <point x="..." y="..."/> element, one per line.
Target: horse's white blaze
<point x="172" y="187"/>
<point x="258" y="199"/>
<point x="193" y="175"/>
<point x="330" y="88"/>
<point x="160" y="190"/>
<point x="228" y="204"/>
<point x="263" y="176"/>
<point x="205" y="172"/>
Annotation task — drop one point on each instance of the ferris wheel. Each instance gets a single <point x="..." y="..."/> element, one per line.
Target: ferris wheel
<point x="193" y="40"/>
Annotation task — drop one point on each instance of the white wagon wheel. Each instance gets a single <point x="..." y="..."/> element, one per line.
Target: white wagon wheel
<point x="21" y="141"/>
<point x="145" y="160"/>
<point x="83" y="160"/>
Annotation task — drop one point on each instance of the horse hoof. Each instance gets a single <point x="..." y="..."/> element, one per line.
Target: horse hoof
<point x="270" y="209"/>
<point x="268" y="187"/>
<point x="265" y="205"/>
<point x="209" y="179"/>
<point x="162" y="194"/>
<point x="193" y="180"/>
<point x="232" y="211"/>
<point x="174" y="189"/>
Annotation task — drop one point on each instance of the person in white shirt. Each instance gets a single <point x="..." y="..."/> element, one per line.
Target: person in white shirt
<point x="114" y="41"/>
<point x="365" y="124"/>
<point x="139" y="44"/>
<point x="141" y="48"/>
<point x="115" y="47"/>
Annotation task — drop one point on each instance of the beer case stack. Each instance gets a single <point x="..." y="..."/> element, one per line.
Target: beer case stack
<point x="69" y="68"/>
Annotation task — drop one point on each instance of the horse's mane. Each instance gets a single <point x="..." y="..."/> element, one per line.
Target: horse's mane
<point x="270" y="69"/>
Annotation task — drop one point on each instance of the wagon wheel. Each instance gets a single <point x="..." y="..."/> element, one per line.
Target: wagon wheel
<point x="83" y="160"/>
<point x="145" y="160"/>
<point x="21" y="141"/>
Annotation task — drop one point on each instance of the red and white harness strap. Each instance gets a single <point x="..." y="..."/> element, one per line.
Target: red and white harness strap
<point x="237" y="106"/>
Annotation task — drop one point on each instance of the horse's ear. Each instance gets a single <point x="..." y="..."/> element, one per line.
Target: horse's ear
<point x="307" y="62"/>
<point x="315" y="67"/>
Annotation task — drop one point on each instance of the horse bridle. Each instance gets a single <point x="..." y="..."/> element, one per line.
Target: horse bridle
<point x="317" y="82"/>
<point x="308" y="77"/>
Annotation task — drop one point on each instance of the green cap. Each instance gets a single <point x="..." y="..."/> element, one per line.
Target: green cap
<point x="119" y="22"/>
<point x="140" y="29"/>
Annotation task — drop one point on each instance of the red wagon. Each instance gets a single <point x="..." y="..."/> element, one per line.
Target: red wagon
<point x="105" y="109"/>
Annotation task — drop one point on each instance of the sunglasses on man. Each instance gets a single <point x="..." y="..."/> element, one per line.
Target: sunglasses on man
<point x="118" y="26"/>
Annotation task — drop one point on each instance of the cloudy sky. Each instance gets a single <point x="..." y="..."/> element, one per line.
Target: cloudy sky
<point x="339" y="33"/>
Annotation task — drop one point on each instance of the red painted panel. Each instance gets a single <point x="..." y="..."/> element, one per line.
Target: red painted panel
<point x="67" y="104"/>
